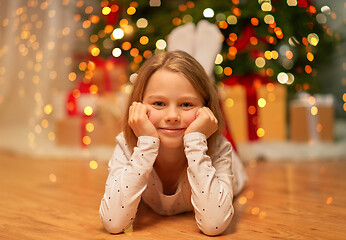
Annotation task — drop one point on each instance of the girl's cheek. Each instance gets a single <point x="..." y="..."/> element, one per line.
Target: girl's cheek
<point x="153" y="115"/>
<point x="190" y="116"/>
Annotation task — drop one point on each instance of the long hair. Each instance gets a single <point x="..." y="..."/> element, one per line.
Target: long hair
<point x="178" y="62"/>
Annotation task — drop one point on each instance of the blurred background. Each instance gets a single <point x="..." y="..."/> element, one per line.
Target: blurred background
<point x="66" y="65"/>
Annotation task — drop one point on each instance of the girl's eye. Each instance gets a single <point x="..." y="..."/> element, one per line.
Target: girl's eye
<point x="186" y="105"/>
<point x="158" y="104"/>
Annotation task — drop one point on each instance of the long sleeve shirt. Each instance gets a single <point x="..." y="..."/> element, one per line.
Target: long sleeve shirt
<point x="207" y="187"/>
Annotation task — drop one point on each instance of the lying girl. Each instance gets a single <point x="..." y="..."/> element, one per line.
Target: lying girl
<point x="171" y="153"/>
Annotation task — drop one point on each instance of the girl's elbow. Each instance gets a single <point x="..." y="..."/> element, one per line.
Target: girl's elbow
<point x="114" y="227"/>
<point x="216" y="226"/>
<point x="213" y="230"/>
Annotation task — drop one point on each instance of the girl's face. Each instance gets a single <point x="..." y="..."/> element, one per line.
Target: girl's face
<point x="173" y="103"/>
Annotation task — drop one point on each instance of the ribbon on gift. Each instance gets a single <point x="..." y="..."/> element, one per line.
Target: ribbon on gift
<point x="106" y="65"/>
<point x="99" y="62"/>
<point x="250" y="82"/>
<point x="72" y="108"/>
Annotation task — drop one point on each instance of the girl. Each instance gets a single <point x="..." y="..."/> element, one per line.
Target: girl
<point x="171" y="153"/>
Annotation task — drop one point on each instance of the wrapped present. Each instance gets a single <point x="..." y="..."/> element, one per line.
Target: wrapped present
<point x="91" y="119"/>
<point x="77" y="131"/>
<point x="109" y="74"/>
<point x="74" y="102"/>
<point x="312" y="118"/>
<point x="254" y="108"/>
<point x="80" y="98"/>
<point x="112" y="103"/>
<point x="272" y="112"/>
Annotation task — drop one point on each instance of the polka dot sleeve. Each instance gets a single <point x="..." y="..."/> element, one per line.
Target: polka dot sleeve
<point x="127" y="179"/>
<point x="211" y="184"/>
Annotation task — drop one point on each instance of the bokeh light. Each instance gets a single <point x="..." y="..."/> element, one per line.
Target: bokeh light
<point x="93" y="164"/>
<point x="88" y="110"/>
<point x="313" y="39"/>
<point x="142" y="23"/>
<point x="261" y="102"/>
<point x="232" y="20"/>
<point x="208" y="13"/>
<point x="161" y="44"/>
<point x="118" y="33"/>
<point x="260" y="132"/>
<point x="116" y="52"/>
<point x="106" y="10"/>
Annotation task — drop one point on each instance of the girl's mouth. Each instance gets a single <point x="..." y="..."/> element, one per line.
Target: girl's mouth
<point x="172" y="131"/>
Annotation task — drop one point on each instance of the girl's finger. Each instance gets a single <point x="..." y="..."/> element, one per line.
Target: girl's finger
<point x="137" y="111"/>
<point x="212" y="116"/>
<point x="131" y="110"/>
<point x="142" y="111"/>
<point x="209" y="112"/>
<point x="198" y="112"/>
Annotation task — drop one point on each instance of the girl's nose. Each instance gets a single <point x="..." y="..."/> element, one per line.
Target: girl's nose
<point x="172" y="115"/>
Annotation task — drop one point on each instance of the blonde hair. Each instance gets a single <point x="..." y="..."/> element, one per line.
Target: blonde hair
<point x="179" y="62"/>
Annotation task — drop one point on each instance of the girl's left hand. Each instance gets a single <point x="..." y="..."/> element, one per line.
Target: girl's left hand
<point x="205" y="122"/>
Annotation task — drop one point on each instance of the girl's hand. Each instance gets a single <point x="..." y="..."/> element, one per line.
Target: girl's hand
<point x="139" y="121"/>
<point x="205" y="122"/>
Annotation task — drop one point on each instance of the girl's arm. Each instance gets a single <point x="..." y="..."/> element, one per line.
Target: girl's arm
<point x="128" y="176"/>
<point x="127" y="179"/>
<point x="211" y="183"/>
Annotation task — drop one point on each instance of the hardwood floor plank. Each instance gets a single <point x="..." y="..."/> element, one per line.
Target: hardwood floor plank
<point x="59" y="199"/>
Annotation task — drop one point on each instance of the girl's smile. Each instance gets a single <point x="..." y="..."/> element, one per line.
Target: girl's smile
<point x="172" y="131"/>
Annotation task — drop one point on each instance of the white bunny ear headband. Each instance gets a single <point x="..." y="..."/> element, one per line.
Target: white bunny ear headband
<point x="203" y="42"/>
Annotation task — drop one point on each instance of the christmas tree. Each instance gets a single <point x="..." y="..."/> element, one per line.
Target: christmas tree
<point x="281" y="40"/>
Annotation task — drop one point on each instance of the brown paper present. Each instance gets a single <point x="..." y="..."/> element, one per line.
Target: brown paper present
<point x="311" y="120"/>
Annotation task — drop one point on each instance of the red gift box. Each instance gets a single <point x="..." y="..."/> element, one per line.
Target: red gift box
<point x="109" y="74"/>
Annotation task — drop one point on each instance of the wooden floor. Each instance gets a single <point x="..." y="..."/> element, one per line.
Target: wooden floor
<point x="59" y="199"/>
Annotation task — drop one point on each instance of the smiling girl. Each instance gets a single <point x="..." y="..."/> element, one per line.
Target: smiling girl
<point x="171" y="153"/>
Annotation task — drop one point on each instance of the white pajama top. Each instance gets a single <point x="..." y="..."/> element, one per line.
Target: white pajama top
<point x="207" y="187"/>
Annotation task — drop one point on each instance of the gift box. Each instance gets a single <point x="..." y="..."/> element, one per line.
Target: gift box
<point x="272" y="111"/>
<point x="112" y="103"/>
<point x="77" y="131"/>
<point x="99" y="128"/>
<point x="235" y="111"/>
<point x="254" y="108"/>
<point x="109" y="74"/>
<point x="312" y="118"/>
<point x="71" y="103"/>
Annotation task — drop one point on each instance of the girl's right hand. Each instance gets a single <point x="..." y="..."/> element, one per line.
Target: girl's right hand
<point x="139" y="121"/>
